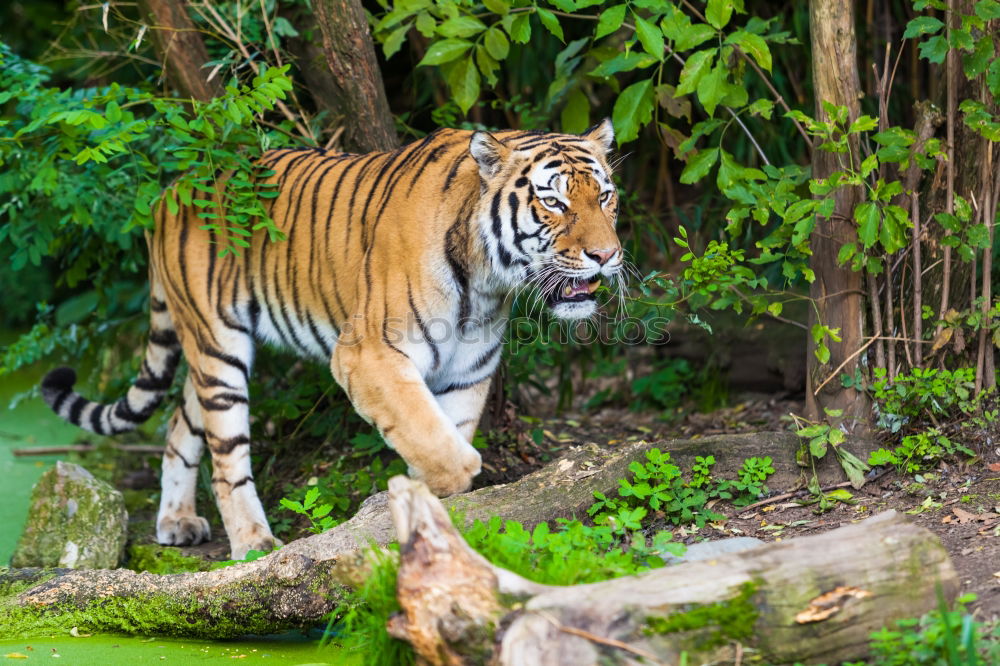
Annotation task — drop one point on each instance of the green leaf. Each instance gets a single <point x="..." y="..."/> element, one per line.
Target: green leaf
<point x="975" y="63"/>
<point x="694" y="68"/>
<point x="817" y="447"/>
<point x="461" y="26"/>
<point x="847" y="250"/>
<point x="922" y="25"/>
<point x="394" y="41"/>
<point x="497" y="6"/>
<point x="699" y="165"/>
<point x="463" y="81"/>
<point x="520" y="28"/>
<point x="697" y="34"/>
<point x="867" y="216"/>
<point x="934" y="49"/>
<point x="988" y="9"/>
<point x="575" y="116"/>
<point x="754" y="46"/>
<point x="113" y="112"/>
<point x="496" y="43"/>
<point x="425" y="24"/>
<point x="993" y="78"/>
<point x="854" y="467"/>
<point x="445" y="50"/>
<point x="611" y="19"/>
<point x="624" y="62"/>
<point x="551" y="23"/>
<point x="712" y="88"/>
<point x="649" y="36"/>
<point x="633" y="109"/>
<point x="719" y="12"/>
<point x="488" y="67"/>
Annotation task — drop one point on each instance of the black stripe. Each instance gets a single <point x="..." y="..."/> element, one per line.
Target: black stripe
<point x="95" y="420"/>
<point x="222" y="401"/>
<point x="165" y="338"/>
<point x="459" y="386"/>
<point x="228" y="360"/>
<point x="423" y="327"/>
<point x="157" y="305"/>
<point x="184" y="461"/>
<point x="225" y="446"/>
<point x="197" y="432"/>
<point x="76" y="409"/>
<point x="60" y="399"/>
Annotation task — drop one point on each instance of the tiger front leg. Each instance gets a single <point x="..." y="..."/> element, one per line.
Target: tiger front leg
<point x="388" y="391"/>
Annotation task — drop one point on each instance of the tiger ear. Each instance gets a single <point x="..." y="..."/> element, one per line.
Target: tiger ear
<point x="488" y="152"/>
<point x="603" y="134"/>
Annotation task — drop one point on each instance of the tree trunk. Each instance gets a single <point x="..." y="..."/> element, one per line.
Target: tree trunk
<point x="302" y="582"/>
<point x="350" y="55"/>
<point x="814" y="599"/>
<point x="180" y="48"/>
<point x="837" y="290"/>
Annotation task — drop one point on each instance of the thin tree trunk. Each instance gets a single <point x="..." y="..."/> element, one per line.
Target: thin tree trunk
<point x="350" y="55"/>
<point x="837" y="290"/>
<point x="180" y="48"/>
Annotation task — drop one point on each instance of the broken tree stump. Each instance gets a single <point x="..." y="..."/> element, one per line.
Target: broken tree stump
<point x="813" y="599"/>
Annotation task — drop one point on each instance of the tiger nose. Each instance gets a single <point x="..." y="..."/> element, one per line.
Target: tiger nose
<point x="602" y="256"/>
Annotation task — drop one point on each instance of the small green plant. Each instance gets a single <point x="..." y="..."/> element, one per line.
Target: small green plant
<point x="361" y="618"/>
<point x="919" y="453"/>
<point x="658" y="485"/>
<point x="943" y="636"/>
<point x="818" y="440"/>
<point x="571" y="554"/>
<point x="923" y="395"/>
<point x="318" y="514"/>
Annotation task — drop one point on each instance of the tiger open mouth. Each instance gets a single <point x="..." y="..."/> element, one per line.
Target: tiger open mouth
<point x="574" y="291"/>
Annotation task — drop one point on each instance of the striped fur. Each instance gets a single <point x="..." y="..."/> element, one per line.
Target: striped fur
<point x="398" y="270"/>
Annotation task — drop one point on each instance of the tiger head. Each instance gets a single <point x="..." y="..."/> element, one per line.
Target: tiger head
<point x="548" y="213"/>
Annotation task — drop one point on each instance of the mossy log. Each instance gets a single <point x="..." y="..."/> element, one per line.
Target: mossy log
<point x="305" y="580"/>
<point x="814" y="599"/>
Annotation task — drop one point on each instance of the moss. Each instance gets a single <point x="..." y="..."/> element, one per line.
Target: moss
<point x="163" y="560"/>
<point x="733" y="619"/>
<point x="144" y="615"/>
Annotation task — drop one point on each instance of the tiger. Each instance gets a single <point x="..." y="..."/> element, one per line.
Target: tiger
<point x="398" y="269"/>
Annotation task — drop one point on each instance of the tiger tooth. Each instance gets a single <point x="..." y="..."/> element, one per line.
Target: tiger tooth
<point x="592" y="287"/>
<point x="568" y="291"/>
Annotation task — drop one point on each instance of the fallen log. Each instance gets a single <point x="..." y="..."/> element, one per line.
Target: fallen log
<point x="814" y="599"/>
<point x="301" y="583"/>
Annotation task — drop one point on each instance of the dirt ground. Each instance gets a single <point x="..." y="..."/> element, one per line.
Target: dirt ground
<point x="959" y="503"/>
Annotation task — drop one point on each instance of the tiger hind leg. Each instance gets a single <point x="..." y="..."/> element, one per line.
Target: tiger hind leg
<point x="177" y="523"/>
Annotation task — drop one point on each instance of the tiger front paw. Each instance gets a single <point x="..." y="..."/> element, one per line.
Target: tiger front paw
<point x="453" y="478"/>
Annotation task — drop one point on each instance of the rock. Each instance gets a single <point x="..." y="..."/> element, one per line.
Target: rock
<point x="75" y="522"/>
<point x="709" y="550"/>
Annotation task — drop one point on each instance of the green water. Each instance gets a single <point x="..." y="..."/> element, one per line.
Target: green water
<point x="33" y="424"/>
<point x="104" y="650"/>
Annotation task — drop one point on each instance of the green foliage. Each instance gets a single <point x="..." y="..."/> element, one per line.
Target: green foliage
<point x="336" y="496"/>
<point x="818" y="440"/>
<point x="359" y="623"/>
<point x="923" y="395"/>
<point x="572" y="554"/>
<point x="657" y="485"/>
<point x="943" y="636"/>
<point x="318" y="514"/>
<point x="920" y="452"/>
<point x="95" y="161"/>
